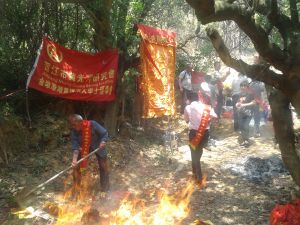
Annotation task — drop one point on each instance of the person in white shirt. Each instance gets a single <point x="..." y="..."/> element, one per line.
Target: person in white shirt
<point x="185" y="85"/>
<point x="235" y="94"/>
<point x="198" y="115"/>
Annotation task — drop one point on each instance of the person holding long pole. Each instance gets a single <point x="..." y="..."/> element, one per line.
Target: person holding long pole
<point x="87" y="135"/>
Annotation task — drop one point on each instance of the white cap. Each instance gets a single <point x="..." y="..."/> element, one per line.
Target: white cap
<point x="205" y="89"/>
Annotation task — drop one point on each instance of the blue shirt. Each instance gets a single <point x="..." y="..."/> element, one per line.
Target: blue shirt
<point x="99" y="134"/>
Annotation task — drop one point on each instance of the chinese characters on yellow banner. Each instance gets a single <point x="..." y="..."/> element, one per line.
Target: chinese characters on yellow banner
<point x="158" y="71"/>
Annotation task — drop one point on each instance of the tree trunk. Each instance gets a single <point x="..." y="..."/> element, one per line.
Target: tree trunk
<point x="112" y="110"/>
<point x="296" y="101"/>
<point x="102" y="41"/>
<point x="111" y="117"/>
<point x="284" y="133"/>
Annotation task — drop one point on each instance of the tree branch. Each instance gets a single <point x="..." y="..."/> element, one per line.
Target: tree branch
<point x="181" y="45"/>
<point x="262" y="7"/>
<point x="202" y="8"/>
<point x="258" y="71"/>
<point x="243" y="18"/>
<point x="185" y="51"/>
<point x="277" y="21"/>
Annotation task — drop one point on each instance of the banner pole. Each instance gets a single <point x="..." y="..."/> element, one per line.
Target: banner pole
<point x="27" y="109"/>
<point x="28" y="81"/>
<point x="34" y="65"/>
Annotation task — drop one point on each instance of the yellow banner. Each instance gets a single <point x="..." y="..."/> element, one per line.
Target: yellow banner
<point x="158" y="71"/>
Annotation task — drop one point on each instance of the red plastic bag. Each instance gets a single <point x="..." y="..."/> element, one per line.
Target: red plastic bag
<point x="288" y="214"/>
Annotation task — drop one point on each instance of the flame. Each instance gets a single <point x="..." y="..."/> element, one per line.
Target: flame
<point x="78" y="199"/>
<point x="165" y="209"/>
<point x="171" y="209"/>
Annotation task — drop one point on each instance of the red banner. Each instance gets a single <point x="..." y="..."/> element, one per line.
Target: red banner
<point x="86" y="142"/>
<point x="75" y="75"/>
<point x="157" y="36"/>
<point x="205" y="118"/>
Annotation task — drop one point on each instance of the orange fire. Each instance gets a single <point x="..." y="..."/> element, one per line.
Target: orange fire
<point x="85" y="207"/>
<point x="171" y="209"/>
<point x="167" y="209"/>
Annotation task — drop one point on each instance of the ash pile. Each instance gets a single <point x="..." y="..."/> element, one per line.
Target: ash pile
<point x="258" y="170"/>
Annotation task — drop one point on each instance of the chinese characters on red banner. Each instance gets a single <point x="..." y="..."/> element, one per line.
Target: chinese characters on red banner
<point x="75" y="75"/>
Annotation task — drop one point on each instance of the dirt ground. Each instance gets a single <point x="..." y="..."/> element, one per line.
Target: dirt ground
<point x="228" y="198"/>
<point x="141" y="164"/>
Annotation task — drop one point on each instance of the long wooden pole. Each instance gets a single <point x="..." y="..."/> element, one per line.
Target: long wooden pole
<point x="58" y="174"/>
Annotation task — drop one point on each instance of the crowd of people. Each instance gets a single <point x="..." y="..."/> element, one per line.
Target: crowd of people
<point x="202" y="104"/>
<point x="203" y="100"/>
<point x="238" y="96"/>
